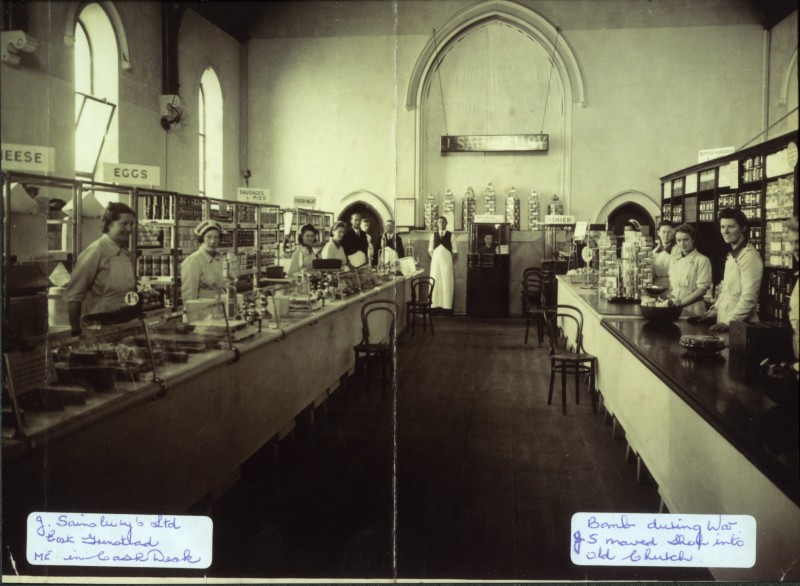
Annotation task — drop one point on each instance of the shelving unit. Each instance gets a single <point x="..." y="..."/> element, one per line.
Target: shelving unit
<point x="760" y="180"/>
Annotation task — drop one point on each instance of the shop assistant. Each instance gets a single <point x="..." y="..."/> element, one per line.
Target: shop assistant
<point x="488" y="246"/>
<point x="201" y="272"/>
<point x="304" y="255"/>
<point x="689" y="272"/>
<point x="334" y="249"/>
<point x="103" y="274"/>
<point x="392" y="240"/>
<point x="743" y="272"/>
<point x="441" y="251"/>
<point x="663" y="253"/>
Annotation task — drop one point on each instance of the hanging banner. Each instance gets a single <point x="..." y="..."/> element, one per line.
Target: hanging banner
<point x="495" y="143"/>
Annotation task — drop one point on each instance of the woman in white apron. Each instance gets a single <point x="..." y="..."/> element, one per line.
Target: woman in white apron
<point x="663" y="253"/>
<point x="304" y="255"/>
<point x="201" y="272"/>
<point x="743" y="272"/>
<point x="689" y="273"/>
<point x="103" y="274"/>
<point x="441" y="251"/>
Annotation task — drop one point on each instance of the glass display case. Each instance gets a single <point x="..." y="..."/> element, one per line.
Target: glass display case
<point x="64" y="376"/>
<point x="488" y="265"/>
<point x="199" y="327"/>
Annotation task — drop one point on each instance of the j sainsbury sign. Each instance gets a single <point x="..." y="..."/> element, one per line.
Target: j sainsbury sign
<point x="495" y="143"/>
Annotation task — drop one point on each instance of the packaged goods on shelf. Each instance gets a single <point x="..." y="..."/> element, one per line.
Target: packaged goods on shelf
<point x="269" y="216"/>
<point x="154" y="265"/>
<point x="752" y="169"/>
<point x="246" y="214"/>
<point x="155" y="206"/>
<point x="706" y="211"/>
<point x="431" y="212"/>
<point x="779" y="202"/>
<point x="707" y="179"/>
<point x="555" y="207"/>
<point x="245" y="238"/>
<point x="189" y="209"/>
<point x="727" y="200"/>
<point x="154" y="236"/>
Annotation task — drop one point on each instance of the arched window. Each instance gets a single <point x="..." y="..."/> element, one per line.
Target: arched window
<point x="209" y="114"/>
<point x="96" y="92"/>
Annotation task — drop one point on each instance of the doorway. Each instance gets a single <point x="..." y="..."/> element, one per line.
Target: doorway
<point x="366" y="211"/>
<point x="626" y="213"/>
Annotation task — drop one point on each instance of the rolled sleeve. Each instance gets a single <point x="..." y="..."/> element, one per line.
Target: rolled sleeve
<point x="83" y="275"/>
<point x="703" y="279"/>
<point x="750" y="273"/>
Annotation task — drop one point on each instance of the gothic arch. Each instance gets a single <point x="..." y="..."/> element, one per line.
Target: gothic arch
<point x="370" y="199"/>
<point x="623" y="197"/>
<point x="116" y="23"/>
<point x="509" y="13"/>
<point x="783" y="100"/>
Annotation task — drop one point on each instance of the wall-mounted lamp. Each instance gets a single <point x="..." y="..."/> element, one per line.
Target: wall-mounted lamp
<point x="246" y="174"/>
<point x="172" y="112"/>
<point x="12" y="42"/>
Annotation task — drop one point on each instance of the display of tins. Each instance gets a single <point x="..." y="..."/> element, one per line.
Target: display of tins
<point x="555" y="207"/>
<point x="513" y="209"/>
<point x="534" y="211"/>
<point x="449" y="203"/>
<point x="431" y="212"/>
<point x="468" y="207"/>
<point x="702" y="345"/>
<point x="489" y="200"/>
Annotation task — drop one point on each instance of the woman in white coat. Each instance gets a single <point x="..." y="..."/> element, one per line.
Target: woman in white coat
<point x="663" y="253"/>
<point x="689" y="273"/>
<point x="743" y="272"/>
<point x="441" y="251"/>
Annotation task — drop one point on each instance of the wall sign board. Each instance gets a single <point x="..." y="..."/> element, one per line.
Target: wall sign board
<point x="132" y="174"/>
<point x="495" y="143"/>
<point x="29" y="158"/>
<point x="304" y="202"/>
<point x="253" y="195"/>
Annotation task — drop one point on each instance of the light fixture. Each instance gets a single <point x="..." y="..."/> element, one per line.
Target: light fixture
<point x="172" y="112"/>
<point x="12" y="42"/>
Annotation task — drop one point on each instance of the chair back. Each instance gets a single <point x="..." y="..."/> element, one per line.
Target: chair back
<point x="422" y="289"/>
<point x="530" y="271"/>
<point x="568" y="313"/>
<point x="531" y="289"/>
<point x="548" y="290"/>
<point x="378" y="321"/>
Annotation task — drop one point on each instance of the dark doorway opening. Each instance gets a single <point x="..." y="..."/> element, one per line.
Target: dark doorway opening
<point x="366" y="211"/>
<point x="621" y="217"/>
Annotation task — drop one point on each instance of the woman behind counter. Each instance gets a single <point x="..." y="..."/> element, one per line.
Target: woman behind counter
<point x="304" y="255"/>
<point x="201" y="272"/>
<point x="103" y="274"/>
<point x="663" y="253"/>
<point x="441" y="251"/>
<point x="334" y="248"/>
<point x="689" y="272"/>
<point x="743" y="272"/>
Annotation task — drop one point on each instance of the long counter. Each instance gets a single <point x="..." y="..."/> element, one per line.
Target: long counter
<point x="697" y="425"/>
<point x="141" y="452"/>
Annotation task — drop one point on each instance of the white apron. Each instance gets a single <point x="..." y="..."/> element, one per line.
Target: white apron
<point x="442" y="272"/>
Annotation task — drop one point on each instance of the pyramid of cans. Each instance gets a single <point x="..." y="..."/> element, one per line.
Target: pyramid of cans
<point x="449" y="204"/>
<point x="468" y="206"/>
<point x="534" y="211"/>
<point x="513" y="209"/>
<point x="431" y="212"/>
<point x="489" y="200"/>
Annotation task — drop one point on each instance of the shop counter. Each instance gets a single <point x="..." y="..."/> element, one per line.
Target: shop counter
<point x="151" y="452"/>
<point x="700" y="426"/>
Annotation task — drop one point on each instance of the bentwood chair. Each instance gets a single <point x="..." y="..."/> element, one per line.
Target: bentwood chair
<point x="566" y="362"/>
<point x="378" y="327"/>
<point x="421" y="302"/>
<point x="531" y="288"/>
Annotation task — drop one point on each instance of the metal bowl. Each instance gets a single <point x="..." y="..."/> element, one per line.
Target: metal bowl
<point x="702" y="345"/>
<point x="655" y="290"/>
<point x="660" y="314"/>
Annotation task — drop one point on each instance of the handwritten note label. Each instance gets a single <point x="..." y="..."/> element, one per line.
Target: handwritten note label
<point x="133" y="541"/>
<point x="636" y="539"/>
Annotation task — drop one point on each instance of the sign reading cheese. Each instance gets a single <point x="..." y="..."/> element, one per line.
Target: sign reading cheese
<point x="26" y="157"/>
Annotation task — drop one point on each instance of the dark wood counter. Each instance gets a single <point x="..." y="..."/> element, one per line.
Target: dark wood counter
<point x="719" y="391"/>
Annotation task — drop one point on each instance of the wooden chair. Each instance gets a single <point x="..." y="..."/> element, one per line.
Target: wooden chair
<point x="532" y="307"/>
<point x="378" y="328"/>
<point x="420" y="304"/>
<point x="565" y="362"/>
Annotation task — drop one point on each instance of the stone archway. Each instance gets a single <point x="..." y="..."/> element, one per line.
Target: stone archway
<point x="628" y="196"/>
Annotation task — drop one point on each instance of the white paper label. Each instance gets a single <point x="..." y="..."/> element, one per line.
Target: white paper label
<point x="132" y="541"/>
<point x="639" y="539"/>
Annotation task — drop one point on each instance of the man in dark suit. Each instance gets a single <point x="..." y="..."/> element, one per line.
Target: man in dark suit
<point x="355" y="239"/>
<point x="392" y="240"/>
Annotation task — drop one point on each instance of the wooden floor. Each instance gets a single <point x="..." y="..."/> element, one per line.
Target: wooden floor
<point x="487" y="474"/>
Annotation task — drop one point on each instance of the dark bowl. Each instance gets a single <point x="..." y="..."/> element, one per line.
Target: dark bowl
<point x="655" y="290"/>
<point x="660" y="314"/>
